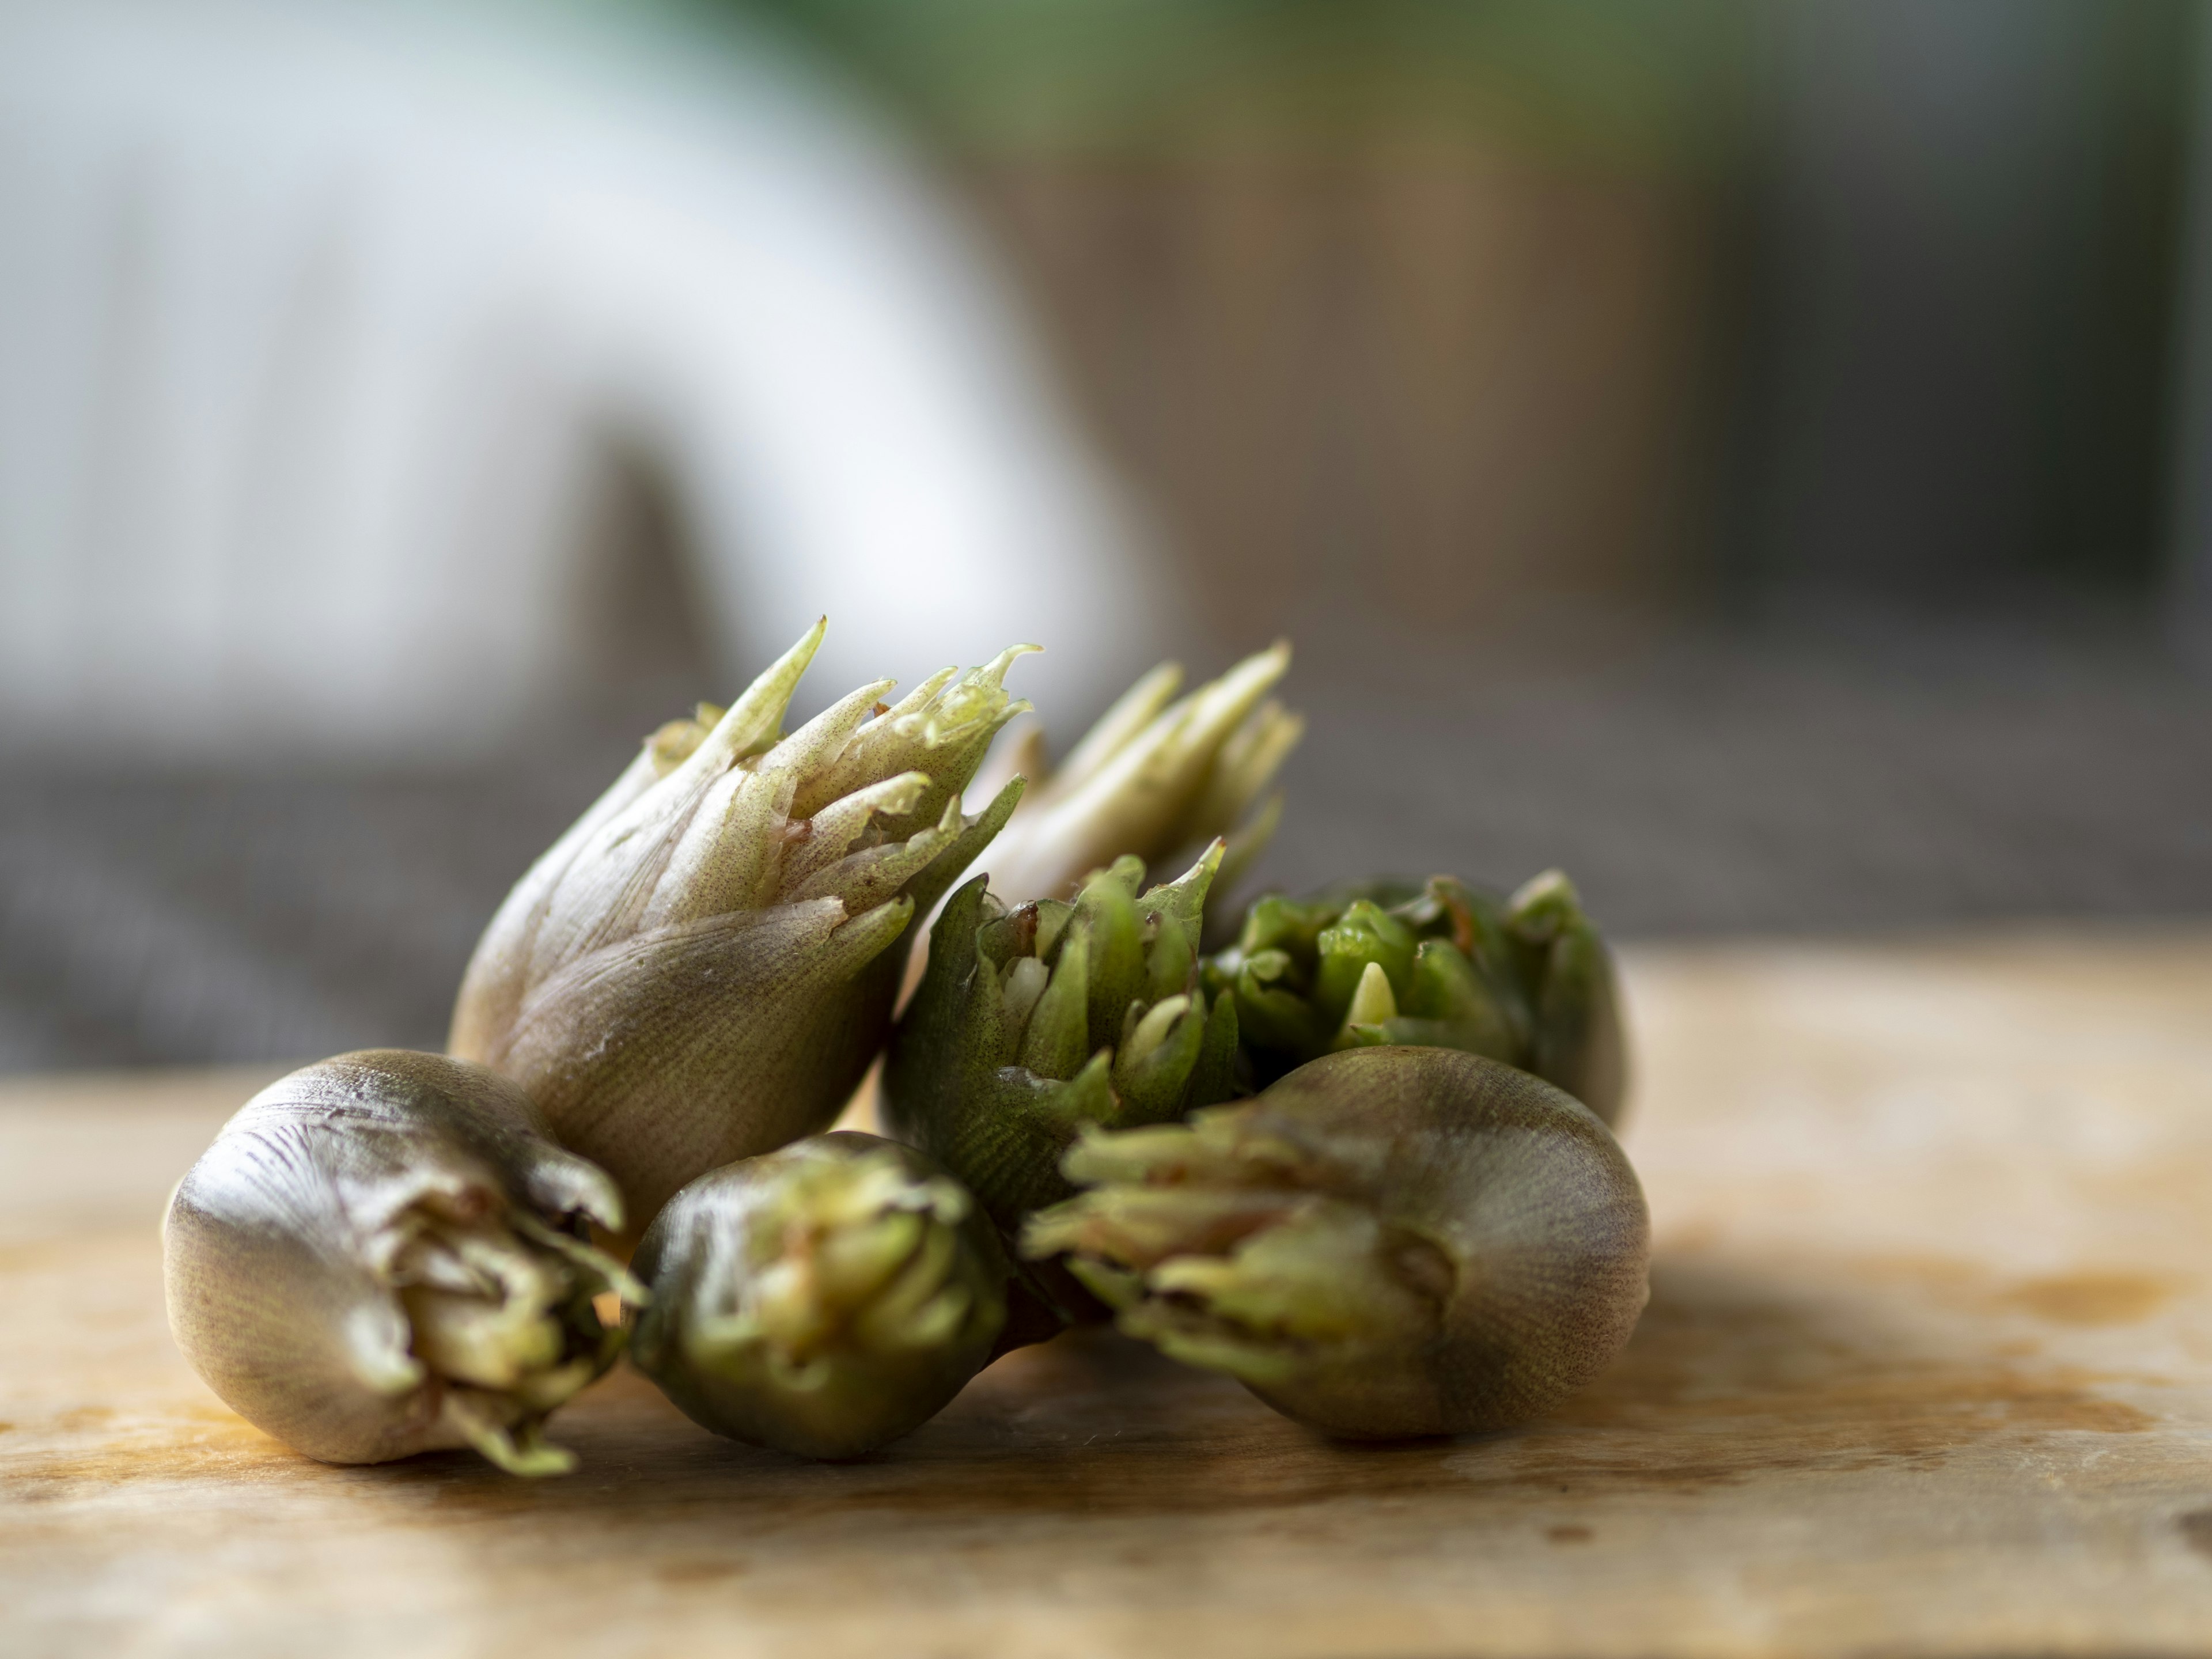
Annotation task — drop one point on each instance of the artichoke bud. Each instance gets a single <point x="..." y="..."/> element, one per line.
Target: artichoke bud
<point x="823" y="1299"/>
<point x="1388" y="1242"/>
<point x="383" y="1254"/>
<point x="703" y="967"/>
<point x="1526" y="980"/>
<point x="1033" y="1022"/>
<point x="1158" y="778"/>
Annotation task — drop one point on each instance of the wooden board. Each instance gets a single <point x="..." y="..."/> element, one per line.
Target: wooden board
<point x="1928" y="1368"/>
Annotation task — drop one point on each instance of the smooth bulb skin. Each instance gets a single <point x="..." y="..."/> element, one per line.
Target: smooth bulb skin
<point x="704" y="966"/>
<point x="382" y="1254"/>
<point x="1525" y="979"/>
<point x="823" y="1299"/>
<point x="1389" y="1242"/>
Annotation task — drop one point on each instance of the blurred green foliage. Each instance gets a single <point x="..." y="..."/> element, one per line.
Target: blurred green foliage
<point x="1630" y="81"/>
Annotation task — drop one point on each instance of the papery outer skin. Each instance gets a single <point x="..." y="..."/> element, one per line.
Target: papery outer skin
<point x="705" y="1244"/>
<point x="1515" y="1184"/>
<point x="1543" y="968"/>
<point x="694" y="974"/>
<point x="955" y="1082"/>
<point x="271" y="1243"/>
<point x="1156" y="777"/>
<point x="493" y="984"/>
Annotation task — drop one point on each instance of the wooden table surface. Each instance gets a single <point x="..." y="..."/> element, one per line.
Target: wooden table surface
<point x="1927" y="1369"/>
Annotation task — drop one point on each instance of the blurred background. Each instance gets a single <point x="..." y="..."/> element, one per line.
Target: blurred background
<point x="1756" y="454"/>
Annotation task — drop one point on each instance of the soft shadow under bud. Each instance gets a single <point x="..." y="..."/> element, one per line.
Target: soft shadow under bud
<point x="823" y="1299"/>
<point x="1388" y="1242"/>
<point x="703" y="967"/>
<point x="1030" y="1023"/>
<point x="383" y="1254"/>
<point x="1525" y="979"/>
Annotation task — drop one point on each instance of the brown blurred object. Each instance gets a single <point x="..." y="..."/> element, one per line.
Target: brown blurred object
<point x="1431" y="375"/>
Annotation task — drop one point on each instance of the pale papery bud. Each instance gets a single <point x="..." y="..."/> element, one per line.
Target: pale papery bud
<point x="1157" y="779"/>
<point x="383" y="1254"/>
<point x="703" y="967"/>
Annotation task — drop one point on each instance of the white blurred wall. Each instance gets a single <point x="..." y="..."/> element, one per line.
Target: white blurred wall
<point x="316" y="320"/>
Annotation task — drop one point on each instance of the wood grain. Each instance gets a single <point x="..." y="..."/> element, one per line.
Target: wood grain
<point x="1928" y="1368"/>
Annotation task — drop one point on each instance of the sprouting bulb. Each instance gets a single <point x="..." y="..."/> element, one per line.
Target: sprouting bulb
<point x="383" y="1254"/>
<point x="702" y="968"/>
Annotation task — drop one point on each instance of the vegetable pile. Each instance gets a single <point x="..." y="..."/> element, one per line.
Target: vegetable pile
<point x="1354" y="1150"/>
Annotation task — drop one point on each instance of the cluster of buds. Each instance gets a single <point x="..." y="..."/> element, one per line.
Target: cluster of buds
<point x="1398" y="1233"/>
<point x="1526" y="980"/>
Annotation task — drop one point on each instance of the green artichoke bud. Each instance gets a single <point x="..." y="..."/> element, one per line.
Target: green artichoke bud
<point x="704" y="966"/>
<point x="383" y="1254"/>
<point x="1033" y="1022"/>
<point x="1526" y="980"/>
<point x="1388" y="1242"/>
<point x="823" y="1299"/>
<point x="1157" y="779"/>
